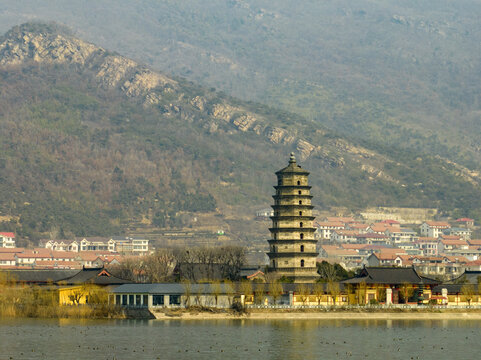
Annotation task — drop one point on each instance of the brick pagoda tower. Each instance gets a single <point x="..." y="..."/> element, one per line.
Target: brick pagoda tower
<point x="292" y="247"/>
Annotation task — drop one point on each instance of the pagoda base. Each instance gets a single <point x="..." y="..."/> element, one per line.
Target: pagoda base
<point x="297" y="275"/>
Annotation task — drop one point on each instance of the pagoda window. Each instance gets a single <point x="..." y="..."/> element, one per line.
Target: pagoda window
<point x="301" y="224"/>
<point x="302" y="263"/>
<point x="298" y="182"/>
<point x="302" y="248"/>
<point x="302" y="236"/>
<point x="300" y="202"/>
<point x="300" y="192"/>
<point x="300" y="213"/>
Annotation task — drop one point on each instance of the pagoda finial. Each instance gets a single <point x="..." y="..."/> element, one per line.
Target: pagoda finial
<point x="292" y="159"/>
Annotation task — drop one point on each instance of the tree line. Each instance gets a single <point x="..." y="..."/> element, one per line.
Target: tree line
<point x="195" y="264"/>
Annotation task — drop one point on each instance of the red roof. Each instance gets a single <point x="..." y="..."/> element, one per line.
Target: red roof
<point x="476" y="242"/>
<point x="372" y="236"/>
<point x="35" y="253"/>
<point x="12" y="250"/>
<point x="465" y="220"/>
<point x="7" y="256"/>
<point x="454" y="242"/>
<point x="358" y="226"/>
<point x="8" y="234"/>
<point x="379" y="227"/>
<point x="353" y="246"/>
<point x="257" y="273"/>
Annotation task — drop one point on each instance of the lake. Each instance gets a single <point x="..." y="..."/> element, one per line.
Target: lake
<point x="239" y="339"/>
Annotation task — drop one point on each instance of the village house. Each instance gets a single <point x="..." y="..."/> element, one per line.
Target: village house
<point x="449" y="243"/>
<point x="387" y="259"/>
<point x="428" y="246"/>
<point x="362" y="228"/>
<point x="470" y="254"/>
<point x="410" y="248"/>
<point x="433" y="228"/>
<point x="61" y="245"/>
<point x="344" y="236"/>
<point x="349" y="258"/>
<point x="129" y="245"/>
<point x="7" y="259"/>
<point x="382" y="228"/>
<point x="463" y="233"/>
<point x="402" y="235"/>
<point x="122" y="245"/>
<point x="373" y="239"/>
<point x="264" y="214"/>
<point x="325" y="228"/>
<point x="55" y="259"/>
<point x="440" y="266"/>
<point x="465" y="222"/>
<point x="7" y="240"/>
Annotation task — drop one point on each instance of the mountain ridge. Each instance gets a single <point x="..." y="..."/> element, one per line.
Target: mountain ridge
<point x="152" y="147"/>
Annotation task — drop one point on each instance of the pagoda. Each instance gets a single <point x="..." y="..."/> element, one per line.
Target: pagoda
<point x="292" y="247"/>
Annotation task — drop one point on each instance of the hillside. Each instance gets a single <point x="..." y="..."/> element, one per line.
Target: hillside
<point x="92" y="143"/>
<point x="394" y="73"/>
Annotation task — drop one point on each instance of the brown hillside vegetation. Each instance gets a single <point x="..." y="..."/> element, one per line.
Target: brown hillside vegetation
<point x="92" y="142"/>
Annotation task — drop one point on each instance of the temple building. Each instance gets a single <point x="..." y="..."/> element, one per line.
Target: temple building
<point x="292" y="247"/>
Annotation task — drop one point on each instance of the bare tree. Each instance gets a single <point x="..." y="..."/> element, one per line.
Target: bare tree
<point x="362" y="290"/>
<point x="187" y="285"/>
<point x="216" y="291"/>
<point x="303" y="292"/>
<point x="318" y="291"/>
<point x="407" y="291"/>
<point x="246" y="289"/>
<point x="129" y="269"/>
<point x="259" y="293"/>
<point x="334" y="290"/>
<point x="468" y="291"/>
<point x="159" y="266"/>
<point x="275" y="290"/>
<point x="229" y="290"/>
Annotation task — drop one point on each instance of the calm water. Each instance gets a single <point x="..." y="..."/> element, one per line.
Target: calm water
<point x="239" y="339"/>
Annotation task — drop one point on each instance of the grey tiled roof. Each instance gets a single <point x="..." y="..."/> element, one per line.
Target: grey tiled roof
<point x="389" y="275"/>
<point x="94" y="276"/>
<point x="468" y="277"/>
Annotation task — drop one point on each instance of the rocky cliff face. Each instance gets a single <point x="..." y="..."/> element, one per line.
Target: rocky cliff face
<point x="136" y="81"/>
<point x="213" y="113"/>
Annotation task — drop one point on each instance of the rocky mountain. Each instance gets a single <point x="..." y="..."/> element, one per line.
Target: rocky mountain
<point x="93" y="142"/>
<point x="396" y="73"/>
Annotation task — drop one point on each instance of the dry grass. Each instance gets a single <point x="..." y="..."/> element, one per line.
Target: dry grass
<point x="33" y="301"/>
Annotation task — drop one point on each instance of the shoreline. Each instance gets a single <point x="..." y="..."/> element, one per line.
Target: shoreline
<point x="448" y="315"/>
